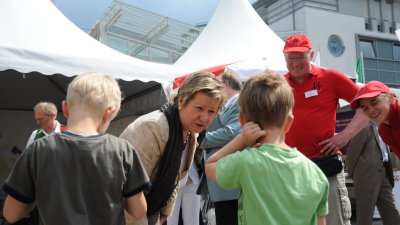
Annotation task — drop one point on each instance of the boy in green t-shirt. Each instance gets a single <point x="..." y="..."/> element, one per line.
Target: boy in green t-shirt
<point x="278" y="184"/>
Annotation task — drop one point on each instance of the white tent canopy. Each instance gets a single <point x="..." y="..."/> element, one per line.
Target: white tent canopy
<point x="39" y="40"/>
<point x="236" y="34"/>
<point x="38" y="37"/>
<point x="40" y="52"/>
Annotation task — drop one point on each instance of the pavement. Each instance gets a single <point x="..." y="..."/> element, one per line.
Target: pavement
<point x="373" y="223"/>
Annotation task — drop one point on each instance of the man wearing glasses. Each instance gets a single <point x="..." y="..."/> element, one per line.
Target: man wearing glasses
<point x="317" y="92"/>
<point x="45" y="116"/>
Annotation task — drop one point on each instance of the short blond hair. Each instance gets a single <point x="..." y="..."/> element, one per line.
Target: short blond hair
<point x="205" y="82"/>
<point x="96" y="92"/>
<point x="47" y="108"/>
<point x="266" y="99"/>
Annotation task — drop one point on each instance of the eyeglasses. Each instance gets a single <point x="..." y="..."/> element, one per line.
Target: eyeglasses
<point x="300" y="58"/>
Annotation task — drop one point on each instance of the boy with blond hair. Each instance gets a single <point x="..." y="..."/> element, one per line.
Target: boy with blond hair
<point x="278" y="184"/>
<point x="82" y="175"/>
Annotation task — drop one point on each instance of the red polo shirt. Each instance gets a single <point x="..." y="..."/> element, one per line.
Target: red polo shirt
<point x="390" y="134"/>
<point x="316" y="100"/>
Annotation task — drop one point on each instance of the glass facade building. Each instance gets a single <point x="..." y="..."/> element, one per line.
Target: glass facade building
<point x="143" y="34"/>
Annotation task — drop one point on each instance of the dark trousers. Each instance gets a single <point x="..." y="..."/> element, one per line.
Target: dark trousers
<point x="226" y="212"/>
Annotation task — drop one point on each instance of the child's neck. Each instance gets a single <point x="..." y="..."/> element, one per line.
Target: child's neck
<point x="274" y="136"/>
<point x="84" y="125"/>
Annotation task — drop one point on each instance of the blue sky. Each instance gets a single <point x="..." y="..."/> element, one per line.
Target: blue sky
<point x="85" y="13"/>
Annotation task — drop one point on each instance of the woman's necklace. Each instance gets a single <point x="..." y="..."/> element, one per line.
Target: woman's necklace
<point x="187" y="137"/>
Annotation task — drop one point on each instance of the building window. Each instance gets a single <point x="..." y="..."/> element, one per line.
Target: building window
<point x="396" y="52"/>
<point x="368" y="24"/>
<point x="384" y="50"/>
<point x="381" y="60"/>
<point x="367" y="48"/>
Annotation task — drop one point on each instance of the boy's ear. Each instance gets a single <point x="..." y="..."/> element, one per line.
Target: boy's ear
<point x="65" y="108"/>
<point x="242" y="121"/>
<point x="108" y="115"/>
<point x="288" y="122"/>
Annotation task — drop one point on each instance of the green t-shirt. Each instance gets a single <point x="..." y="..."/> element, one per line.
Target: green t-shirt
<point x="279" y="186"/>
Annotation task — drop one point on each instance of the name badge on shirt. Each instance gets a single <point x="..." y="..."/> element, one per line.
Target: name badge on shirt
<point x="311" y="93"/>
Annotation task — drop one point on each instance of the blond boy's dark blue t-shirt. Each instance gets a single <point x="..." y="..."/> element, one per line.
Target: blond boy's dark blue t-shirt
<point x="78" y="180"/>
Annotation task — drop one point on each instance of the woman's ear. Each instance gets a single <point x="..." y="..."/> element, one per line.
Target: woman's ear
<point x="288" y="122"/>
<point x="65" y="109"/>
<point x="180" y="102"/>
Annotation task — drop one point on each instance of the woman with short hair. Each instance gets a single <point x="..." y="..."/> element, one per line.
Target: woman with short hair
<point x="166" y="139"/>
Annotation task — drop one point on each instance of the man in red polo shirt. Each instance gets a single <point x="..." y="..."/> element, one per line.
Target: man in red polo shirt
<point x="317" y="92"/>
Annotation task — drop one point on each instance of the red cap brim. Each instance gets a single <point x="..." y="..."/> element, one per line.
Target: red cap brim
<point x="296" y="49"/>
<point x="356" y="102"/>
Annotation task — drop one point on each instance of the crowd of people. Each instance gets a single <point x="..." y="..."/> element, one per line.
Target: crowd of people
<point x="260" y="143"/>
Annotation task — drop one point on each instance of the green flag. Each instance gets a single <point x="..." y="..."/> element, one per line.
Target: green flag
<point x="358" y="71"/>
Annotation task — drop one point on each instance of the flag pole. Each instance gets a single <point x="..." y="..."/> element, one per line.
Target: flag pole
<point x="320" y="54"/>
<point x="362" y="67"/>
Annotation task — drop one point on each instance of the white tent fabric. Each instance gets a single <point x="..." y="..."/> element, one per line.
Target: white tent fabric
<point x="41" y="51"/>
<point x="38" y="37"/>
<point x="38" y="40"/>
<point x="236" y="34"/>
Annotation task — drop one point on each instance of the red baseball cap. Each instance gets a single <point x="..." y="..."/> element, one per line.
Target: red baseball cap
<point x="369" y="90"/>
<point x="297" y="43"/>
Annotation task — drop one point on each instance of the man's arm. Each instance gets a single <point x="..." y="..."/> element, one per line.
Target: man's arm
<point x="230" y="127"/>
<point x="15" y="210"/>
<point x="251" y="133"/>
<point x="220" y="136"/>
<point x="333" y="144"/>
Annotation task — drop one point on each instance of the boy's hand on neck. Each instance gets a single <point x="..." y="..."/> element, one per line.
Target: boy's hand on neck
<point x="251" y="133"/>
